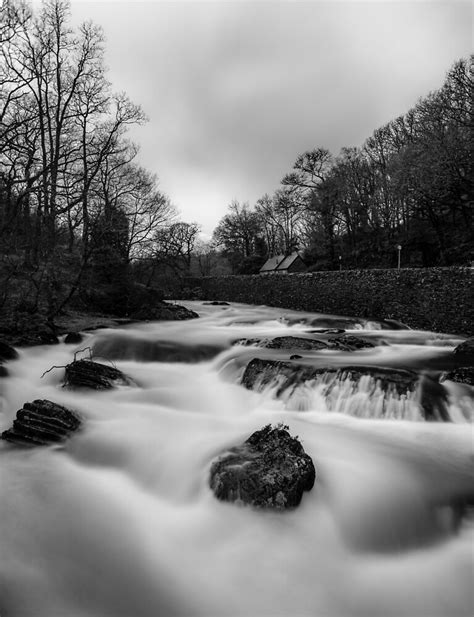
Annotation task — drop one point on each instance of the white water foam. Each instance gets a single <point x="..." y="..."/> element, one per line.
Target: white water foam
<point x="120" y="521"/>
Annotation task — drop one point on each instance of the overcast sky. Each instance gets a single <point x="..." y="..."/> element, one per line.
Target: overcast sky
<point x="236" y="90"/>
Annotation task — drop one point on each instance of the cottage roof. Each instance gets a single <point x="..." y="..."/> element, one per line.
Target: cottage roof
<point x="272" y="263"/>
<point x="287" y="261"/>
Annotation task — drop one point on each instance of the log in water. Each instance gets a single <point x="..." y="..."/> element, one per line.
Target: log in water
<point x="120" y="519"/>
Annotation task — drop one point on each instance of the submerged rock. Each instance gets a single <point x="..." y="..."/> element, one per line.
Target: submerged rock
<point x="349" y="342"/>
<point x="393" y="324"/>
<point x="164" y="311"/>
<point x="94" y="375"/>
<point x="269" y="470"/>
<point x="288" y="375"/>
<point x="217" y="303"/>
<point x="73" y="338"/>
<point x="284" y="342"/>
<point x="123" y="347"/>
<point x="42" y="423"/>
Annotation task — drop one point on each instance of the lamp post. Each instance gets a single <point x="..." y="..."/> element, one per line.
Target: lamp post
<point x="399" y="248"/>
<point x="340" y="263"/>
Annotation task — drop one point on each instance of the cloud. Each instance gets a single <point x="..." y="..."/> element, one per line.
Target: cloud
<point x="235" y="90"/>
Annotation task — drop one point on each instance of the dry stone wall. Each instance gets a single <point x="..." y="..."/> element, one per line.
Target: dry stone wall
<point x="437" y="299"/>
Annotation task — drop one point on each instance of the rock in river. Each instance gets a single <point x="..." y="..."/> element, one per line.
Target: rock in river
<point x="89" y="374"/>
<point x="269" y="470"/>
<point x="341" y="343"/>
<point x="461" y="374"/>
<point x="42" y="423"/>
<point x="465" y="351"/>
<point x="432" y="395"/>
<point x="7" y="352"/>
<point x="73" y="338"/>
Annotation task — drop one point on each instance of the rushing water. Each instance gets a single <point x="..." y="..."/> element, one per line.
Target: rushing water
<point x="120" y="520"/>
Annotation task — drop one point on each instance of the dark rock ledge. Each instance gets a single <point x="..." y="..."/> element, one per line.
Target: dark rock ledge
<point x="433" y="398"/>
<point x="42" y="423"/>
<point x="461" y="374"/>
<point x="269" y="470"/>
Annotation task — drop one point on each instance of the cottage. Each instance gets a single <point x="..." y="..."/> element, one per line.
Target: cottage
<point x="283" y="264"/>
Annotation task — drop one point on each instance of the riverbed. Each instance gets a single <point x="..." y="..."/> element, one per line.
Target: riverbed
<point x="120" y="519"/>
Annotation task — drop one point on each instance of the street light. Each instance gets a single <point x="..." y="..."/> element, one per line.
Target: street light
<point x="399" y="248"/>
<point x="340" y="263"/>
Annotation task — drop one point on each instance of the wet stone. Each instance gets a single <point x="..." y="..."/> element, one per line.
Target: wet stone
<point x="284" y="342"/>
<point x="73" y="338"/>
<point x="260" y="373"/>
<point x="42" y="423"/>
<point x="269" y="470"/>
<point x="94" y="375"/>
<point x="216" y="303"/>
<point x="119" y="347"/>
<point x="462" y="374"/>
<point x="294" y="342"/>
<point x="348" y="342"/>
<point x="465" y="350"/>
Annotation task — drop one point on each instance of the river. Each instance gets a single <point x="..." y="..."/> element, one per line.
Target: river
<point x="120" y="520"/>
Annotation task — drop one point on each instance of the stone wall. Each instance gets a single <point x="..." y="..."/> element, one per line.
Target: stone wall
<point x="438" y="299"/>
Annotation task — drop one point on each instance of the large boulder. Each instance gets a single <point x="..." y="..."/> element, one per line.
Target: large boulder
<point x="94" y="375"/>
<point x="259" y="373"/>
<point x="41" y="423"/>
<point x="269" y="470"/>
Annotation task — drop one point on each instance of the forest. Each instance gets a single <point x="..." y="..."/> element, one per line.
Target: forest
<point x="83" y="224"/>
<point x="80" y="219"/>
<point x="409" y="185"/>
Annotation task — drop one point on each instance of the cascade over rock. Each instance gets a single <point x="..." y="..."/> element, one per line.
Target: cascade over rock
<point x="262" y="372"/>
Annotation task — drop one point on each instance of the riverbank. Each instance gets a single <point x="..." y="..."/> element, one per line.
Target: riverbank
<point x="435" y="299"/>
<point x="25" y="329"/>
